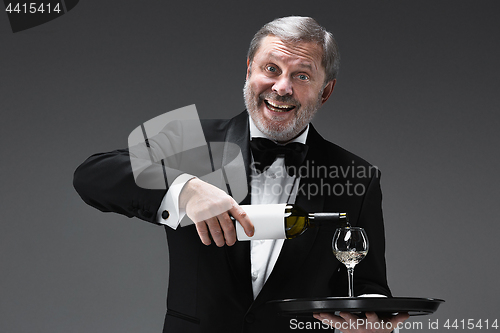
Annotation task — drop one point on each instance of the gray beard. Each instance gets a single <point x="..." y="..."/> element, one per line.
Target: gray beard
<point x="280" y="133"/>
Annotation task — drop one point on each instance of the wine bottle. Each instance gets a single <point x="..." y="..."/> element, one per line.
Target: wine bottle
<point x="297" y="221"/>
<point x="285" y="221"/>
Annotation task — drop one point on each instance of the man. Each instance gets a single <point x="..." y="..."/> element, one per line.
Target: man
<point x="224" y="287"/>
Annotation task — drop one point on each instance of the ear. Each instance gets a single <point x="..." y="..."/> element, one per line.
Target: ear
<point x="327" y="91"/>
<point x="248" y="68"/>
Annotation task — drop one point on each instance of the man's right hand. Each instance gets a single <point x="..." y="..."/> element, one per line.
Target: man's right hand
<point x="209" y="207"/>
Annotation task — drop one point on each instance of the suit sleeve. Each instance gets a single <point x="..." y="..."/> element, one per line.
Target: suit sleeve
<point x="370" y="275"/>
<point x="105" y="181"/>
<point x="133" y="182"/>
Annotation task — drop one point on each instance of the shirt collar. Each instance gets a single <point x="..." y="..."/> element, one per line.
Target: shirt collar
<point x="256" y="133"/>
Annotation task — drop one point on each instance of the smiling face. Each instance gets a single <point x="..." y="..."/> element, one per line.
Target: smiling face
<point x="285" y="87"/>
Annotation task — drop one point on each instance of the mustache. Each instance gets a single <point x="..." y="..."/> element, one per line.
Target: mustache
<point x="283" y="99"/>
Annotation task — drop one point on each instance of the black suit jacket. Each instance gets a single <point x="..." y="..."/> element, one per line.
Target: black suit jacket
<point x="210" y="288"/>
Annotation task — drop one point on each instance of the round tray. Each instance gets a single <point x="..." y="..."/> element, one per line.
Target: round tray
<point x="383" y="306"/>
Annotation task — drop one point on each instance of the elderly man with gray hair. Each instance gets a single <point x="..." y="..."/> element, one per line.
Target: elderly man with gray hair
<point x="219" y="284"/>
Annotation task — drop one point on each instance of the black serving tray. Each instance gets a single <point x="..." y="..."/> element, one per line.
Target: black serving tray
<point x="381" y="305"/>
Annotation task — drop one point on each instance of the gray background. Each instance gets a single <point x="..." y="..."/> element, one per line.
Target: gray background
<point x="416" y="96"/>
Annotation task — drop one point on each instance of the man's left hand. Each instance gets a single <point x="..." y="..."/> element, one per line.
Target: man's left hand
<point x="350" y="323"/>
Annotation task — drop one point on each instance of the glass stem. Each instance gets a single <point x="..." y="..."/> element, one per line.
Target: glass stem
<point x="350" y="279"/>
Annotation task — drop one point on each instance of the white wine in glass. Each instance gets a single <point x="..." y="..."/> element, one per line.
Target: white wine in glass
<point x="350" y="246"/>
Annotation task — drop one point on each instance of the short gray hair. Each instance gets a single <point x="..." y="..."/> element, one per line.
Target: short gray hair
<point x="294" y="29"/>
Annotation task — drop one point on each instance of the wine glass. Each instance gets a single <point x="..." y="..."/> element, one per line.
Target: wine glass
<point x="350" y="246"/>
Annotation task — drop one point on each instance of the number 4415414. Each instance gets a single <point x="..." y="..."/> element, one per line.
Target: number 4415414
<point x="471" y="324"/>
<point x="32" y="8"/>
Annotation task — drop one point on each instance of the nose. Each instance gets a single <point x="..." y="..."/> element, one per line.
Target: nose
<point x="283" y="86"/>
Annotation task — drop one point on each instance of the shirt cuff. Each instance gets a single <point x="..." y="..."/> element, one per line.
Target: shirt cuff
<point x="169" y="212"/>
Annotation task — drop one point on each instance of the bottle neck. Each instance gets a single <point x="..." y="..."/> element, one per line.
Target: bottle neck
<point x="339" y="219"/>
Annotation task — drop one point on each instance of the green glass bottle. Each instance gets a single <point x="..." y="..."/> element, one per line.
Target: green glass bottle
<point x="297" y="221"/>
<point x="286" y="221"/>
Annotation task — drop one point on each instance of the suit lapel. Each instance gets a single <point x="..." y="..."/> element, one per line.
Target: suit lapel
<point x="238" y="132"/>
<point x="309" y="196"/>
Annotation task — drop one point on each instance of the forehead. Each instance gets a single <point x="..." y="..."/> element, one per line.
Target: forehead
<point x="303" y="54"/>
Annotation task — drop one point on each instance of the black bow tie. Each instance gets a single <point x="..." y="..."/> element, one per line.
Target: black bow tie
<point x="265" y="152"/>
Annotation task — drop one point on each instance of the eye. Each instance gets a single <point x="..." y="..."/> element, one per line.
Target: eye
<point x="271" y="68"/>
<point x="303" y="77"/>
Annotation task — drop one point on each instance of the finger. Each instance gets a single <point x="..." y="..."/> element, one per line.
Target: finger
<point x="329" y="319"/>
<point x="241" y="216"/>
<point x="329" y="316"/>
<point x="401" y="317"/>
<point x="349" y="318"/>
<point x="201" y="228"/>
<point x="317" y="316"/>
<point x="215" y="231"/>
<point x="228" y="229"/>
<point x="324" y="315"/>
<point x="371" y="317"/>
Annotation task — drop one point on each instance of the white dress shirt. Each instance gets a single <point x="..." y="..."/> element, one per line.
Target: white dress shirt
<point x="274" y="186"/>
